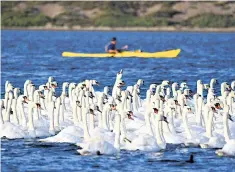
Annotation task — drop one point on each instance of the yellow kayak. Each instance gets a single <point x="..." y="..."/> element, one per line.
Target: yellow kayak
<point x="162" y="54"/>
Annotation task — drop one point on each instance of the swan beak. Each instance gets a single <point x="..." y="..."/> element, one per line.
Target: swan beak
<point x="229" y="117"/>
<point x="126" y="139"/>
<point x="129" y="117"/>
<point x="165" y="119"/>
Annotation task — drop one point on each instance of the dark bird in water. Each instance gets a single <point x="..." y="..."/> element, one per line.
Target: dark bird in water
<point x="191" y="160"/>
<point x="98" y="153"/>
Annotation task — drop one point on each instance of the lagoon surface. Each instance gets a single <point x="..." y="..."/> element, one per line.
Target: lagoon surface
<point x="36" y="55"/>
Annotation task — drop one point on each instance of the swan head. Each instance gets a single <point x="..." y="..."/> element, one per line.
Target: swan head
<point x="24" y="99"/>
<point x="161" y="117"/>
<point x="28" y="82"/>
<point x="155" y="110"/>
<point x="179" y="92"/>
<point x="129" y="115"/>
<point x="113" y="106"/>
<point x="162" y="98"/>
<point x="87" y="82"/>
<point x="187" y="109"/>
<point x="206" y="86"/>
<point x="212" y="108"/>
<point x="128" y="93"/>
<point x="31" y="86"/>
<point x="65" y="84"/>
<point x="218" y="106"/>
<point x="199" y="82"/>
<point x="43" y="87"/>
<point x="176" y="103"/>
<point x="214" y="81"/>
<point x="72" y="85"/>
<point x="140" y="82"/>
<point x="152" y="86"/>
<point x="224" y="84"/>
<point x="6" y="83"/>
<point x="165" y="83"/>
<point x="172" y="109"/>
<point x="38" y="105"/>
<point x="175" y="85"/>
<point x="81" y="85"/>
<point x="118" y="98"/>
<point x="186" y="92"/>
<point x="94" y="108"/>
<point x="54" y="84"/>
<point x="17" y="90"/>
<point x="50" y="79"/>
<point x="34" y="105"/>
<point x="94" y="82"/>
<point x="40" y="94"/>
<point x="120" y="83"/>
<point x="9" y="87"/>
<point x="90" y="95"/>
<point x="183" y="85"/>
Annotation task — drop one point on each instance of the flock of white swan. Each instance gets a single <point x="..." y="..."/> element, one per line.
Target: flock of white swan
<point x="103" y="123"/>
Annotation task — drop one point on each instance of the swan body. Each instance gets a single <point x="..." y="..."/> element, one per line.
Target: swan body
<point x="101" y="123"/>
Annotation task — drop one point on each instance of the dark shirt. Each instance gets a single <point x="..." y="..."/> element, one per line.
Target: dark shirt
<point x="111" y="47"/>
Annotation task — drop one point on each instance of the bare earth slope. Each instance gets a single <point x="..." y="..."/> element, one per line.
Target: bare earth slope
<point x="111" y="15"/>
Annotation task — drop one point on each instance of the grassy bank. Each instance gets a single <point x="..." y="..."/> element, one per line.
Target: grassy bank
<point x="143" y="15"/>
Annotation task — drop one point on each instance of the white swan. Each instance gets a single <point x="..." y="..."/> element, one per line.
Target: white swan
<point x="229" y="148"/>
<point x="215" y="141"/>
<point x="118" y="78"/>
<point x="100" y="146"/>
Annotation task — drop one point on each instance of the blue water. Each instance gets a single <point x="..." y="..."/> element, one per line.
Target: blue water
<point x="36" y="55"/>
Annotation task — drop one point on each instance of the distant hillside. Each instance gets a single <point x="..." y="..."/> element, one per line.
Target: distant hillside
<point x="118" y="14"/>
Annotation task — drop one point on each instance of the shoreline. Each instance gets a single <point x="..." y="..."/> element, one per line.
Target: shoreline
<point x="143" y="29"/>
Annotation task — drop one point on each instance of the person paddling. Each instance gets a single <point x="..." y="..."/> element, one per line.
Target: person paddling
<point x="111" y="48"/>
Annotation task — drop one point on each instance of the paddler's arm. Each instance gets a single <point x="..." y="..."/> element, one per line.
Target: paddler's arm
<point x="125" y="47"/>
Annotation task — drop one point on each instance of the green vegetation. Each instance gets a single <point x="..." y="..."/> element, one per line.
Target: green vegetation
<point x="113" y="14"/>
<point x="211" y="20"/>
<point x="24" y="19"/>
